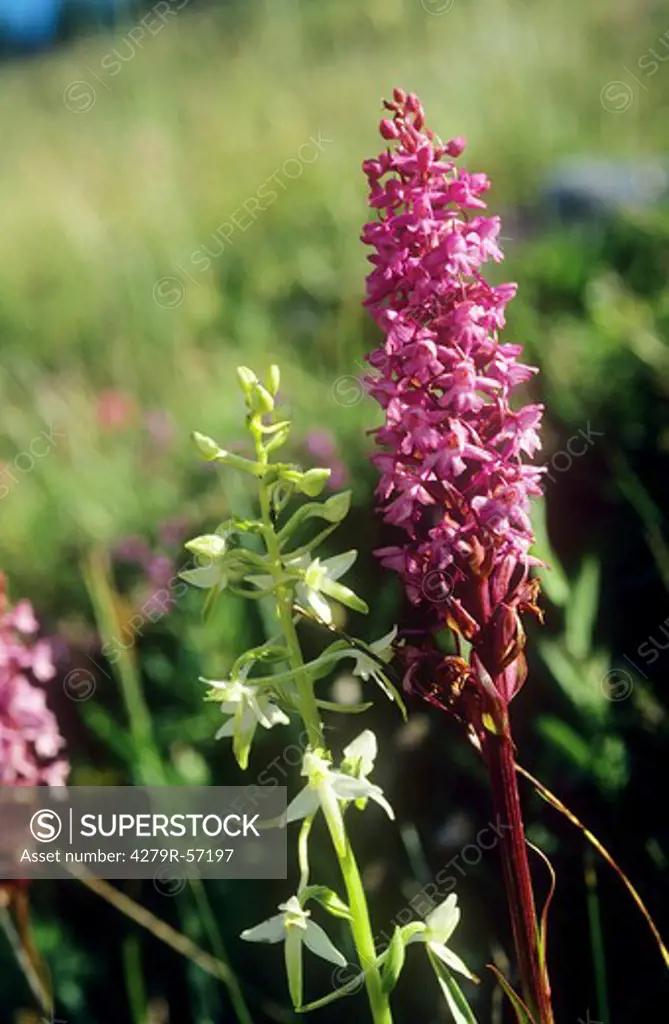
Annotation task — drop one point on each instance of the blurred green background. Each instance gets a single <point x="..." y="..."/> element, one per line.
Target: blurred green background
<point x="133" y="280"/>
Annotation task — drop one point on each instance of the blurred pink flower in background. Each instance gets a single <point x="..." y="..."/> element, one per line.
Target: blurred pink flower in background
<point x="321" y="444"/>
<point x="31" y="745"/>
<point x="114" y="409"/>
<point x="160" y="426"/>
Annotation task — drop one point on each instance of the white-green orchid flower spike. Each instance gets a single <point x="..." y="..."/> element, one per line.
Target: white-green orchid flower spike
<point x="294" y="927"/>
<point x="327" y="788"/>
<point x="248" y="708"/>
<point x="440" y="924"/>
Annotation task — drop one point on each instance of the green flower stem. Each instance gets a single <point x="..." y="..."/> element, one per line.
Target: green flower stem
<point x="308" y="708"/>
<point x="361" y="928"/>
<point x="303" y="852"/>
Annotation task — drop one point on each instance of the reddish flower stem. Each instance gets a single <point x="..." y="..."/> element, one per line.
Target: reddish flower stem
<point x="498" y="751"/>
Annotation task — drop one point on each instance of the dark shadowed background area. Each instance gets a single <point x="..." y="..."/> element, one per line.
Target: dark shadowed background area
<point x="181" y="192"/>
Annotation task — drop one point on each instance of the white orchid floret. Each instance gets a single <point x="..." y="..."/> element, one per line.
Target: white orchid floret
<point x="360" y="754"/>
<point x="327" y="788"/>
<point x="440" y="924"/>
<point x="295" y="927"/>
<point x="320" y="578"/>
<point x="308" y="592"/>
<point x="367" y="666"/>
<point x="313" y="578"/>
<point x="247" y="707"/>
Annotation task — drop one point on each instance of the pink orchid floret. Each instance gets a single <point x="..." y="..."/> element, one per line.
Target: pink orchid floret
<point x="31" y="745"/>
<point x="455" y="475"/>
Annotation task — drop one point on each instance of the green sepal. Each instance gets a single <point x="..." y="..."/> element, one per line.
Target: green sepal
<point x="247" y="379"/>
<point x="394" y="962"/>
<point x="343" y="709"/>
<point x="209" y="545"/>
<point x="278" y="439"/>
<point x="332" y="511"/>
<point x="410" y="931"/>
<point x="327" y="899"/>
<point x="344" y="595"/>
<point x="310" y="483"/>
<point x="260" y="400"/>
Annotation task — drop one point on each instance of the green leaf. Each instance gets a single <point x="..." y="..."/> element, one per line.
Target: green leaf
<point x="453" y="994"/>
<point x="106" y="728"/>
<point x="580" y="684"/>
<point x="328" y="899"/>
<point x="566" y="739"/>
<point x="392" y="968"/>
<point x="581" y="610"/>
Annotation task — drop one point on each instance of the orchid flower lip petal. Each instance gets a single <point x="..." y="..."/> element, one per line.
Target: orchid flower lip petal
<point x="317" y="940"/>
<point x="451" y="959"/>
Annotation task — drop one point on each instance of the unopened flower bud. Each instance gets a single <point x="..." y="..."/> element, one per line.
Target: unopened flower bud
<point x="454" y="147"/>
<point x="313" y="481"/>
<point x="247" y="379"/>
<point x="273" y="379"/>
<point x="208" y="448"/>
<point x="388" y="129"/>
<point x="260" y="400"/>
<point x="209" y="546"/>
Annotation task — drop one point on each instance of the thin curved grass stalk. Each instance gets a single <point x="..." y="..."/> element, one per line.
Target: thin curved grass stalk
<point x="547" y="901"/>
<point x="27" y="958"/>
<point x="555" y="802"/>
<point x="522" y="1011"/>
